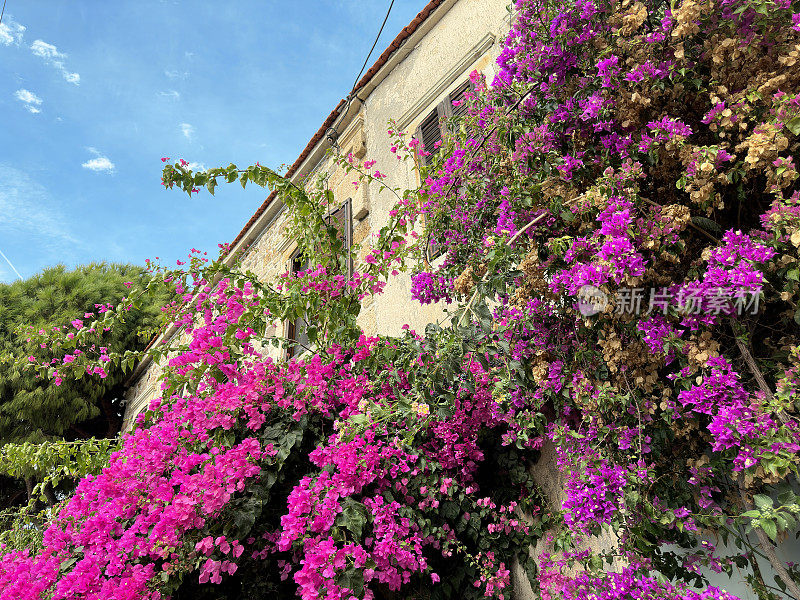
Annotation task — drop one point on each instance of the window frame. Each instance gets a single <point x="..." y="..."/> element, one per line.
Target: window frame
<point x="347" y="207"/>
<point x="442" y="113"/>
<point x="296" y="264"/>
<point x="293" y="347"/>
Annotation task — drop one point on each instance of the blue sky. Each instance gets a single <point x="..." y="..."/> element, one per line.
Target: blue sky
<point x="93" y="94"/>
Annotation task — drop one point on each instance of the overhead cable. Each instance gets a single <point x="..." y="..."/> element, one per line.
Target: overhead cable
<point x="332" y="133"/>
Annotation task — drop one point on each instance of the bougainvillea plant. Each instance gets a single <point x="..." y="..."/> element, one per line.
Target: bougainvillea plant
<point x="611" y="411"/>
<point x="633" y="214"/>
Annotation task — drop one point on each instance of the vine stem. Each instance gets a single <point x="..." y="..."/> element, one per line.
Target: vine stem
<point x="508" y="243"/>
<point x="754" y="550"/>
<point x="758" y="375"/>
<point x="753" y="366"/>
<point x="690" y="223"/>
<point x="766" y="544"/>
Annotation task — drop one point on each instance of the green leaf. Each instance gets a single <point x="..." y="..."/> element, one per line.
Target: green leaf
<point x="706" y="224"/>
<point x="793" y="125"/>
<point x="770" y="529"/>
<point x="352" y="579"/>
<point x="762" y="501"/>
<point x="66" y="564"/>
<point x="353" y="517"/>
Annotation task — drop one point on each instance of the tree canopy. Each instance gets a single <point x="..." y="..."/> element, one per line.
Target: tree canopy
<point x="31" y="407"/>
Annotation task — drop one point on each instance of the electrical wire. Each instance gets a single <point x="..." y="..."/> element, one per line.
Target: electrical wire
<point x="371" y="50"/>
<point x="351" y="95"/>
<point x="2" y="12"/>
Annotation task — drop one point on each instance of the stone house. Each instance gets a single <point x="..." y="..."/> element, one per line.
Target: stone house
<point x="414" y="82"/>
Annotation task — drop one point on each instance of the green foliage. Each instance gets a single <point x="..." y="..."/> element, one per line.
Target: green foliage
<point x="39" y="420"/>
<point x="32" y="409"/>
<point x="53" y="462"/>
<point x="56" y="466"/>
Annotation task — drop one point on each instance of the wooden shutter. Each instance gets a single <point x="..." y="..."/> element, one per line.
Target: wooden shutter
<point x="297" y="333"/>
<point x="429" y="132"/>
<point x="457" y="95"/>
<point x="342" y="220"/>
<point x="296" y="329"/>
<point x="443" y="113"/>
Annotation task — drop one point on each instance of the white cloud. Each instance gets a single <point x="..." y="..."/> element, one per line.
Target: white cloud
<point x="197" y="166"/>
<point x="100" y="163"/>
<point x="187" y="130"/>
<point x="31" y="101"/>
<point x="10" y="32"/>
<point x="170" y="95"/>
<point x="27" y="97"/>
<point x="44" y="50"/>
<point x="177" y="74"/>
<point x="50" y="54"/>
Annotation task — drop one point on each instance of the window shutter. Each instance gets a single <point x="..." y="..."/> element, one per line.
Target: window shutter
<point x="443" y="112"/>
<point x="348" y="220"/>
<point x="418" y="137"/>
<point x="342" y="220"/>
<point x="435" y="249"/>
<point x="430" y="130"/>
<point x="430" y="133"/>
<point x="444" y="109"/>
<point x="296" y="329"/>
<point x="458" y="95"/>
<point x="291" y="333"/>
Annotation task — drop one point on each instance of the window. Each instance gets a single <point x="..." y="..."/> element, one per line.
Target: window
<point x="431" y="129"/>
<point x="297" y="330"/>
<point x="458" y="95"/>
<point x="341" y="219"/>
<point x="429" y="133"/>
